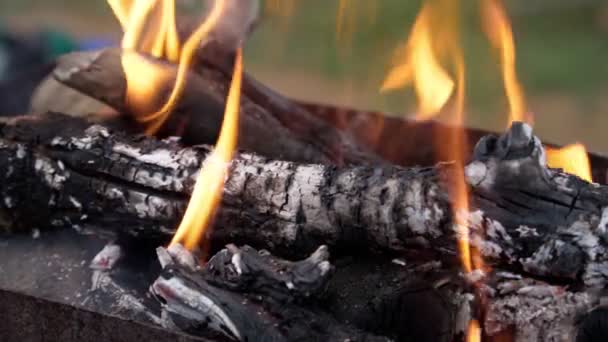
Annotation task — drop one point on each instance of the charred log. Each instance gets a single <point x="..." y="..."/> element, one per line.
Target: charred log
<point x="525" y="211"/>
<point x="418" y="140"/>
<point x="295" y="135"/>
<point x="541" y="230"/>
<point x="250" y="296"/>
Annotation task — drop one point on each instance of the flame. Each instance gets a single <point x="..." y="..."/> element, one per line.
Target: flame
<point x="473" y="331"/>
<point x="435" y="34"/>
<point x="149" y="27"/>
<point x="210" y="182"/>
<point x="498" y="29"/>
<point x="421" y="66"/>
<point x="572" y="159"/>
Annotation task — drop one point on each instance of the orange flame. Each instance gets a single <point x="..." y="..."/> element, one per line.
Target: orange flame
<point x="572" y="159"/>
<point x="149" y="27"/>
<point x="435" y="34"/>
<point x="210" y="182"/>
<point x="498" y="29"/>
<point x="473" y="332"/>
<point x="421" y="66"/>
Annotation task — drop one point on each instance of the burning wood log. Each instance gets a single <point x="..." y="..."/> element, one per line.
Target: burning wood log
<point x="276" y="128"/>
<point x="544" y="227"/>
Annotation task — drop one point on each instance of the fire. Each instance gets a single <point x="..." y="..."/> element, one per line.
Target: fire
<point x="473" y="331"/>
<point x="433" y="39"/>
<point x="498" y="29"/>
<point x="435" y="35"/>
<point x="572" y="159"/>
<point x="149" y="28"/>
<point x="210" y="182"/>
<point x="421" y="66"/>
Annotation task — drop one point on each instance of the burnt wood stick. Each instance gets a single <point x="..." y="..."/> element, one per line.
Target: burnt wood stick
<point x="418" y="140"/>
<point x="250" y="296"/>
<point x="523" y="214"/>
<point x="199" y="112"/>
<point x="542" y="231"/>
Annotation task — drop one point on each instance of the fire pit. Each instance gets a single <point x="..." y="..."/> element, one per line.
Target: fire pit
<point x="298" y="224"/>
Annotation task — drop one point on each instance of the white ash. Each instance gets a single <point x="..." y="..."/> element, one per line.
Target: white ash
<point x="107" y="257"/>
<point x="420" y="218"/>
<point x="538" y="314"/>
<point x="525" y="231"/>
<point x="182" y="256"/>
<point x="186" y="302"/>
<point x="602" y="227"/>
<point x="52" y="177"/>
<point x="399" y="262"/>
<point x="75" y="202"/>
<point x="160" y="156"/>
<point x="20" y="151"/>
<point x="8" y="202"/>
<point x="475" y="173"/>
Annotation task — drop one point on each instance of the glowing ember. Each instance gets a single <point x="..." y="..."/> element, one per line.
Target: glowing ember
<point x="572" y="159"/>
<point x="498" y="30"/>
<point x="210" y="182"/>
<point x="149" y="27"/>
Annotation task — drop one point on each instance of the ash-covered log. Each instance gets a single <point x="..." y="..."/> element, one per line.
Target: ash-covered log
<point x="541" y="230"/>
<point x="523" y="210"/>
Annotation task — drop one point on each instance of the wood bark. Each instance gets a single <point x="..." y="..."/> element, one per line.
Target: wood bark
<point x="294" y="135"/>
<point x="543" y="231"/>
<point x="417" y="140"/>
<point x="250" y="296"/>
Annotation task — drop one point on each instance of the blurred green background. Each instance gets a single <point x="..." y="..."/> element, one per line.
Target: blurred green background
<point x="562" y="51"/>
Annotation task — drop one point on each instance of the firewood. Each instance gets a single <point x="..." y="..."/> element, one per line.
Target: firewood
<point x="250" y="296"/>
<point x="408" y="142"/>
<point x="294" y="135"/>
<point x="542" y="231"/>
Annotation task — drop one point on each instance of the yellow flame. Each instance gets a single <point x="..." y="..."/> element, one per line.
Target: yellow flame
<point x="150" y="28"/>
<point x="421" y="67"/>
<point x="473" y="332"/>
<point x="499" y="32"/>
<point x="572" y="159"/>
<point x="209" y="185"/>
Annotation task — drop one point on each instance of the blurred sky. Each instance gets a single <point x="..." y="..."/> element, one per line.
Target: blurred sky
<point x="562" y="49"/>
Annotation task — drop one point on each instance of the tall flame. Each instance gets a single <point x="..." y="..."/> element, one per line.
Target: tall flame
<point x="209" y="185"/>
<point x="149" y="27"/>
<point x="421" y="66"/>
<point x="572" y="159"/>
<point x="434" y="38"/>
<point x="498" y="29"/>
<point x="434" y="35"/>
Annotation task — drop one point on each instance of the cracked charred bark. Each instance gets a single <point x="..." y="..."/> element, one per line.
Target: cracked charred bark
<point x="543" y="231"/>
